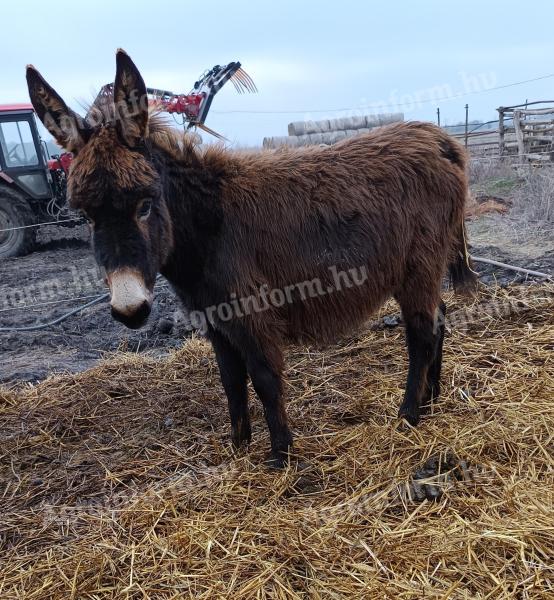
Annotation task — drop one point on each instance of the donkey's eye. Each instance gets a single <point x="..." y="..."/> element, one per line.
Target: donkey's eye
<point x="143" y="211"/>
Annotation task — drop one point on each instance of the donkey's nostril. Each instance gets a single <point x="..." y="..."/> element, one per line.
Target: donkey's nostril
<point x="131" y="300"/>
<point x="133" y="320"/>
<point x="128" y="291"/>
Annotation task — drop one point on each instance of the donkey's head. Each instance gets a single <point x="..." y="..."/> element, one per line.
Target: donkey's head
<point x="114" y="182"/>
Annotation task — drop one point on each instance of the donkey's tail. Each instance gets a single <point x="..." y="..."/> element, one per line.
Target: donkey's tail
<point x="463" y="277"/>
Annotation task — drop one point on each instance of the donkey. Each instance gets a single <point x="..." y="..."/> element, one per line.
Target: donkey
<point x="224" y="227"/>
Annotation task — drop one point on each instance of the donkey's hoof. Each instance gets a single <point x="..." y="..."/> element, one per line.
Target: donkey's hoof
<point x="410" y="415"/>
<point x="426" y="408"/>
<point x="278" y="460"/>
<point x="241" y="434"/>
<point x="240" y="441"/>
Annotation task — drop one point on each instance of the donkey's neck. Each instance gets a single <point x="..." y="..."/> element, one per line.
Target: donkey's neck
<point x="191" y="189"/>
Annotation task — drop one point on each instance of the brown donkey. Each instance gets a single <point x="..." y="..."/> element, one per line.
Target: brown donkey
<point x="270" y="247"/>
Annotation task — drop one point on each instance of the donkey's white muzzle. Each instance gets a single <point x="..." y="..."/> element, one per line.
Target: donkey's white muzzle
<point x="131" y="300"/>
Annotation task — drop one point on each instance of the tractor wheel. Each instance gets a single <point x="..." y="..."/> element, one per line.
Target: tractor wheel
<point x="15" y="214"/>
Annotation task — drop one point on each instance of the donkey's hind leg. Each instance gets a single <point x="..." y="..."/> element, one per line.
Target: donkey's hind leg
<point x="423" y="339"/>
<point x="434" y="373"/>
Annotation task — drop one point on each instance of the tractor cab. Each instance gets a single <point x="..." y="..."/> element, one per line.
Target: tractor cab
<point x="32" y="180"/>
<point x="22" y="154"/>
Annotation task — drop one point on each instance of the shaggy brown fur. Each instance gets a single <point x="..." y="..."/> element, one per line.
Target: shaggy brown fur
<point x="225" y="226"/>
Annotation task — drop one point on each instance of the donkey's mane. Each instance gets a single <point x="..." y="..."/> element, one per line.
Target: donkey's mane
<point x="179" y="144"/>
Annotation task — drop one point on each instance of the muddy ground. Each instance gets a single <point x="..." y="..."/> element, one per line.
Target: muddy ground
<point x="59" y="276"/>
<point x="42" y="286"/>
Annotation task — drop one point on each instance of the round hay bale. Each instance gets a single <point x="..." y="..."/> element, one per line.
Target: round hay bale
<point x="282" y="140"/>
<point x="307" y="127"/>
<point x="357" y="122"/>
<point x="383" y="119"/>
<point x="315" y="138"/>
<point x="334" y="136"/>
<point x="340" y="124"/>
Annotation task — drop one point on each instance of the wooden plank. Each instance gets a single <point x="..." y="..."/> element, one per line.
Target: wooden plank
<point x="537" y="111"/>
<point x="519" y="134"/>
<point x="537" y="122"/>
<point x="515" y="106"/>
<point x="540" y="138"/>
<point x="482" y="145"/>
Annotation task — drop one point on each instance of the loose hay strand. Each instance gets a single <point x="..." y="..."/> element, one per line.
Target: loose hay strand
<point x="120" y="482"/>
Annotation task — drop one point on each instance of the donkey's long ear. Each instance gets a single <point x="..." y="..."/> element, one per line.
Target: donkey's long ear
<point x="67" y="127"/>
<point x="131" y="101"/>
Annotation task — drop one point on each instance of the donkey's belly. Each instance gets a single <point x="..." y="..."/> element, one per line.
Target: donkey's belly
<point x="326" y="317"/>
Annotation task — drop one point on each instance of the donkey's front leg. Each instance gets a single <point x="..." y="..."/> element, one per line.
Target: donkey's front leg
<point x="232" y="370"/>
<point x="266" y="379"/>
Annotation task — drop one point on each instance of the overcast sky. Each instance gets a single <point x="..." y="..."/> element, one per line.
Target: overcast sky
<point x="308" y="57"/>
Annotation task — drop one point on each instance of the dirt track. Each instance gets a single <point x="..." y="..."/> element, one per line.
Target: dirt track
<point x="54" y="272"/>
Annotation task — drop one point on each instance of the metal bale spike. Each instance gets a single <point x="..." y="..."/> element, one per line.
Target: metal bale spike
<point x="241" y="75"/>
<point x="246" y="82"/>
<point x="212" y="132"/>
<point x="236" y="84"/>
<point x="252" y="85"/>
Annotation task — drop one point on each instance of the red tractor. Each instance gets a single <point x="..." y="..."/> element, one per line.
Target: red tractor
<point x="33" y="173"/>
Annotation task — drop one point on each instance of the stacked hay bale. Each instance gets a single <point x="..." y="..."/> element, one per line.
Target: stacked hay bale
<point x="329" y="131"/>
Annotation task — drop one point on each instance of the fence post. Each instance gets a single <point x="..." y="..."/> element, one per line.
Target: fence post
<point x="438" y="116"/>
<point x="467" y="115"/>
<point x="519" y="135"/>
<point x="500" y="110"/>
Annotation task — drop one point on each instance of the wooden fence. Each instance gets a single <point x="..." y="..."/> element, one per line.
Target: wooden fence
<point x="527" y="132"/>
<point x="521" y="132"/>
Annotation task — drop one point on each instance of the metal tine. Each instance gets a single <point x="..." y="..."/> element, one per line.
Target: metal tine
<point x="249" y="79"/>
<point x="238" y="84"/>
<point x="238" y="81"/>
<point x="243" y="84"/>
<point x="240" y="75"/>
<point x="212" y="132"/>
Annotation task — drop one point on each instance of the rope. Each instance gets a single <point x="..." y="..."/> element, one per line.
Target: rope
<point x="496" y="263"/>
<point x="59" y="319"/>
<point x="65" y="316"/>
<point x="35" y="305"/>
<point x="40" y="224"/>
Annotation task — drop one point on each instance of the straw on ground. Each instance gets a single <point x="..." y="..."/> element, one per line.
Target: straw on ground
<point x="120" y="482"/>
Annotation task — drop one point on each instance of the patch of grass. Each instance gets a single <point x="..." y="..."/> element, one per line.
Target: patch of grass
<point x="530" y="188"/>
<point x="504" y="186"/>
<point x="534" y="198"/>
<point x="492" y="177"/>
